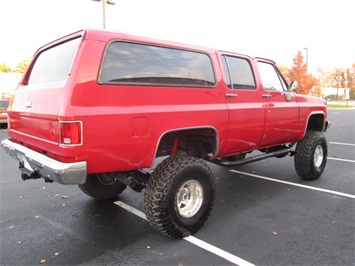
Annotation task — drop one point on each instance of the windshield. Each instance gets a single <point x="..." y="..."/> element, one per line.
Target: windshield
<point x="54" y="63"/>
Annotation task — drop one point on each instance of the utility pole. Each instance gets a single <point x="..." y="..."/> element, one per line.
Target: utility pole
<point x="109" y="2"/>
<point x="338" y="78"/>
<point x="306" y="60"/>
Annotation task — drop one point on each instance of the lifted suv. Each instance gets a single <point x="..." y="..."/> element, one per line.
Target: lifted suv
<point x="96" y="108"/>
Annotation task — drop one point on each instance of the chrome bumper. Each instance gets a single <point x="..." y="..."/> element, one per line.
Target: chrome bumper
<point x="32" y="162"/>
<point x="327" y="126"/>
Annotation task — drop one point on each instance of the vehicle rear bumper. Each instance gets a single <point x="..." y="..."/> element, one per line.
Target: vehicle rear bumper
<point x="33" y="163"/>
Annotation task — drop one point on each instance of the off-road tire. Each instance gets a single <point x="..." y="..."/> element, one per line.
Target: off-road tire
<point x="311" y="155"/>
<point x="174" y="179"/>
<point x="102" y="186"/>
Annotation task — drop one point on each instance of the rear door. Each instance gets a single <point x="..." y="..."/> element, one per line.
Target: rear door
<point x="282" y="111"/>
<point x="245" y="104"/>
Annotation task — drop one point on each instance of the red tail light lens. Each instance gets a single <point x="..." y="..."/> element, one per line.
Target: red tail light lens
<point x="70" y="133"/>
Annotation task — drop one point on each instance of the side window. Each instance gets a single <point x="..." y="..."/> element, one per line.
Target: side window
<point x="270" y="78"/>
<point x="143" y="64"/>
<point x="238" y="73"/>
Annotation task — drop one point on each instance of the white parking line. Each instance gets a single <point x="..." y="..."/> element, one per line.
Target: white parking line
<point x="296" y="185"/>
<point x="338" y="159"/>
<point x="131" y="209"/>
<point x="202" y="244"/>
<point x="342" y="160"/>
<point x="340" y="143"/>
<point x="217" y="251"/>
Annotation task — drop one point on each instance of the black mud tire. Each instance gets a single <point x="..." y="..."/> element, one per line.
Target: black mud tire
<point x="102" y="186"/>
<point x="311" y="155"/>
<point x="175" y="180"/>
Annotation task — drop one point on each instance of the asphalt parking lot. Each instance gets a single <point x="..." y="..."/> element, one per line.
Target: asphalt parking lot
<point x="263" y="215"/>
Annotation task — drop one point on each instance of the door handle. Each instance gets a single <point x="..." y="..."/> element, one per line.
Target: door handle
<point x="266" y="96"/>
<point x="230" y="95"/>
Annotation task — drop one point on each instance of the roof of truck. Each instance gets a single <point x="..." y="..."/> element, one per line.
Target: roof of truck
<point x="109" y="35"/>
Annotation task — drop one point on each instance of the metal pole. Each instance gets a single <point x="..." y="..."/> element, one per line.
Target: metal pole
<point x="104" y="2"/>
<point x="338" y="78"/>
<point x="104" y="13"/>
<point x="306" y="60"/>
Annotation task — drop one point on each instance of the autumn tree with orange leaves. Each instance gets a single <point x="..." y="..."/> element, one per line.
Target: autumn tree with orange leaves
<point x="298" y="72"/>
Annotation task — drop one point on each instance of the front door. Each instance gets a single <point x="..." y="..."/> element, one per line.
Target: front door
<point x="281" y="121"/>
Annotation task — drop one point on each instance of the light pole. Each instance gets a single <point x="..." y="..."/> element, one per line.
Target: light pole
<point x="110" y="2"/>
<point x="339" y="80"/>
<point x="306" y="60"/>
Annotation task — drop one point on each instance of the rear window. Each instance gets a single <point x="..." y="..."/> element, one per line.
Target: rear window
<point x="54" y="64"/>
<point x="132" y="63"/>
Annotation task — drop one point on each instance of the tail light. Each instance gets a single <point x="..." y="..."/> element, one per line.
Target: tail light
<point x="70" y="133"/>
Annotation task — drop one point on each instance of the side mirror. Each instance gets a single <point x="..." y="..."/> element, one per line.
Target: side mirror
<point x="293" y="86"/>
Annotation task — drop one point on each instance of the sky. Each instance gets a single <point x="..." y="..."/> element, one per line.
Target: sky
<point x="274" y="29"/>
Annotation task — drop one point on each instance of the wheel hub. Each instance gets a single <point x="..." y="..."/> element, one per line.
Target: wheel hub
<point x="106" y="179"/>
<point x="189" y="198"/>
<point x="318" y="156"/>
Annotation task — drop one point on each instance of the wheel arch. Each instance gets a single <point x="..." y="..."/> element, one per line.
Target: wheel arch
<point x="196" y="141"/>
<point x="316" y="122"/>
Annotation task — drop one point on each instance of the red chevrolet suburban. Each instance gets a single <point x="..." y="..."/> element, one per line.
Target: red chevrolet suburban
<point x="97" y="108"/>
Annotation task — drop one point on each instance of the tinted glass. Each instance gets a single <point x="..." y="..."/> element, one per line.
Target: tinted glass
<point x="145" y="64"/>
<point x="226" y="72"/>
<point x="241" y="74"/>
<point x="54" y="64"/>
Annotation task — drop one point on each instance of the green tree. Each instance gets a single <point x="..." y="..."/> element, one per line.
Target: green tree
<point x="4" y="67"/>
<point x="298" y="72"/>
<point x="21" y="67"/>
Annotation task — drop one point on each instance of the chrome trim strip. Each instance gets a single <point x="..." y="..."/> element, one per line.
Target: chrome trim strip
<point x="34" y="137"/>
<point x="70" y="122"/>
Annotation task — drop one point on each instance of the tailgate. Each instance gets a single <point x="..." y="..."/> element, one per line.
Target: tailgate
<point x="33" y="115"/>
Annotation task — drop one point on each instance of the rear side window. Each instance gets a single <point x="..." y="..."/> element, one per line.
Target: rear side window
<point x="54" y="64"/>
<point x="238" y="72"/>
<point x="133" y="63"/>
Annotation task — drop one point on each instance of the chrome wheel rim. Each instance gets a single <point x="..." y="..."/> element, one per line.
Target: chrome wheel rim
<point x="189" y="198"/>
<point x="318" y="156"/>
